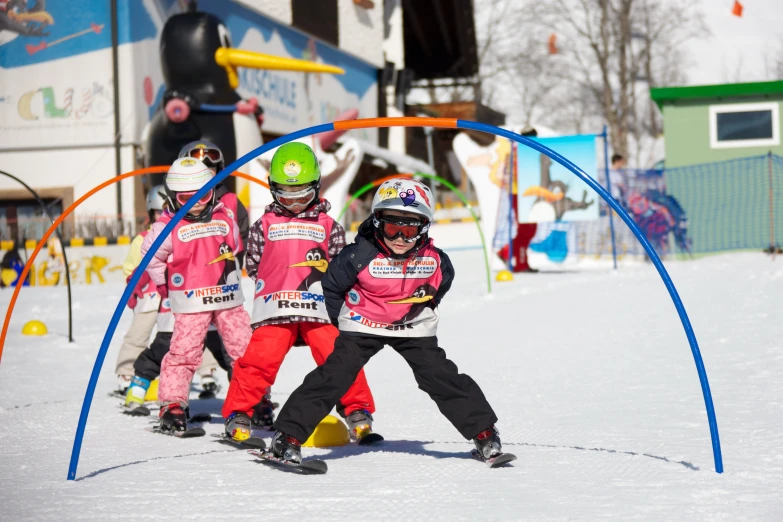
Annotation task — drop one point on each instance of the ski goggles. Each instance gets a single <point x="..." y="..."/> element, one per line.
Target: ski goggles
<point x="407" y="228"/>
<point x="289" y="199"/>
<point x="210" y="157"/>
<point x="184" y="197"/>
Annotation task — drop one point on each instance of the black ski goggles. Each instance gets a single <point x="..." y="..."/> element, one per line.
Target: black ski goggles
<point x="392" y="227"/>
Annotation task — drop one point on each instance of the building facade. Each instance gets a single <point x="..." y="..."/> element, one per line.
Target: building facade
<point x="710" y="123"/>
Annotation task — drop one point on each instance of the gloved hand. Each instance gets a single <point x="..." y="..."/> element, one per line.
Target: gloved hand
<point x="138" y="291"/>
<point x="163" y="290"/>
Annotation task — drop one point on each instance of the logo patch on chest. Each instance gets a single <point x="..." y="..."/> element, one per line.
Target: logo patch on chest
<point x="293" y="230"/>
<point x="419" y="268"/>
<point x="193" y="231"/>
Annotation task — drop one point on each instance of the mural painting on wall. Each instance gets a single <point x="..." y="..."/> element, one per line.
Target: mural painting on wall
<point x="88" y="265"/>
<point x="45" y="50"/>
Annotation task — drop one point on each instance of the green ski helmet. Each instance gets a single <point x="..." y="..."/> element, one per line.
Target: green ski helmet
<point x="295" y="164"/>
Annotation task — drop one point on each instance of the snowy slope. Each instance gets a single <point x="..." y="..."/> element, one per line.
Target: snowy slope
<point x="588" y="370"/>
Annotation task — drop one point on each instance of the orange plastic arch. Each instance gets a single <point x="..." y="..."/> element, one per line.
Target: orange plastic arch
<point x="64" y="216"/>
<point x="448" y="123"/>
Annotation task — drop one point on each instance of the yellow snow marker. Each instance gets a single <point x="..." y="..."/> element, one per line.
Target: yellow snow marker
<point x="330" y="432"/>
<point x="34" y="328"/>
<point x="503" y="276"/>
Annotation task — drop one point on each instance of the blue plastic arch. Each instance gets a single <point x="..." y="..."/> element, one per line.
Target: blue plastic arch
<point x="391" y="122"/>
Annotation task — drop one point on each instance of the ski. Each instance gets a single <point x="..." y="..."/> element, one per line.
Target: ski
<point x="251" y="443"/>
<point x="187" y="434"/>
<point x="494" y="462"/>
<point x="307" y="467"/>
<point x="138" y="411"/>
<point x="370" y="439"/>
<point x="200" y="418"/>
<point x="206" y="394"/>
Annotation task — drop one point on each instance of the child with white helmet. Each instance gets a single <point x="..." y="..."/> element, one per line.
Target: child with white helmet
<point x="197" y="262"/>
<point x="385" y="289"/>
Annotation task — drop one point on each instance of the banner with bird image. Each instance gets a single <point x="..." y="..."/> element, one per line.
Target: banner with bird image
<point x="547" y="191"/>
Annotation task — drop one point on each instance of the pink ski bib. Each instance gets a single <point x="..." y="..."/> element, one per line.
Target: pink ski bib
<point x="296" y="255"/>
<point x="151" y="299"/>
<point x="229" y="201"/>
<point x="393" y="297"/>
<point x="202" y="271"/>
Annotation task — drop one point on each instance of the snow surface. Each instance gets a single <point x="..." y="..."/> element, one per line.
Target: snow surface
<point x="588" y="369"/>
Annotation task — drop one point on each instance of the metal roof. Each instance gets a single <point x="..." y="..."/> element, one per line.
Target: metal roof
<point x="663" y="95"/>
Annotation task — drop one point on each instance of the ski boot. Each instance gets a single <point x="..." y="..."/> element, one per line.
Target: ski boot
<point x="488" y="443"/>
<point x="263" y="414"/>
<point x="359" y="424"/>
<point x="136" y="393"/>
<point x="238" y="426"/>
<point x="287" y="448"/>
<point x="209" y="383"/>
<point x="173" y="417"/>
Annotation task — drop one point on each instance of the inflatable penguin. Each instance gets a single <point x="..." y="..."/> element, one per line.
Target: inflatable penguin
<point x="200" y="72"/>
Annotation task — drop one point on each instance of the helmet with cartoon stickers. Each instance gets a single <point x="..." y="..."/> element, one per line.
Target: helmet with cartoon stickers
<point x="403" y="195"/>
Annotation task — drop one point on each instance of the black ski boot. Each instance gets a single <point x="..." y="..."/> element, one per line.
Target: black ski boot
<point x="488" y="443"/>
<point x="286" y="447"/>
<point x="173" y="417"/>
<point x="263" y="414"/>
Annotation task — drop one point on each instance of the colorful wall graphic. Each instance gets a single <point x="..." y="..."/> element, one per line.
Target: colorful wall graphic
<point x="548" y="191"/>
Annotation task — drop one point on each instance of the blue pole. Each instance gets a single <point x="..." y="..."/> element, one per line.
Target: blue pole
<point x="481" y="127"/>
<point x="510" y="165"/>
<point x="609" y="190"/>
<point x="96" y="370"/>
<point x="705" y="386"/>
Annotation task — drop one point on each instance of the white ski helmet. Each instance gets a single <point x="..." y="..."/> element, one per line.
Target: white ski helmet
<point x="189" y="175"/>
<point x="405" y="195"/>
<point x="156" y="198"/>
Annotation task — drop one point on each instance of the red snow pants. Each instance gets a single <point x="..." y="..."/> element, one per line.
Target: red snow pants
<point x="257" y="369"/>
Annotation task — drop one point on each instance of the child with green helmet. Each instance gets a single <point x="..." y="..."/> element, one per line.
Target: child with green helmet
<point x="288" y="252"/>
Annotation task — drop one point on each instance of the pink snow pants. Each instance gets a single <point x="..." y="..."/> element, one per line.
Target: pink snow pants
<point x="187" y="347"/>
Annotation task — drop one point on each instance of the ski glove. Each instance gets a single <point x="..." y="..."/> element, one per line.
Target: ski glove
<point x="163" y="290"/>
<point x="138" y="291"/>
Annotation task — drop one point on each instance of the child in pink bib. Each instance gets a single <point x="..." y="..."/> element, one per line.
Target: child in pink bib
<point x="298" y="240"/>
<point x="196" y="269"/>
<point x="384" y="290"/>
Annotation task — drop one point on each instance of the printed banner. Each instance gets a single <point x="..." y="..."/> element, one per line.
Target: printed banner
<point x="547" y="191"/>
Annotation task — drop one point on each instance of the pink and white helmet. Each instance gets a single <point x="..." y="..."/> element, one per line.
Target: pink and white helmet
<point x="187" y="175"/>
<point x="405" y="195"/>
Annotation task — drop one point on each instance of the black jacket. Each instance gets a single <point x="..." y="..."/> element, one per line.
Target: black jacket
<point x="344" y="269"/>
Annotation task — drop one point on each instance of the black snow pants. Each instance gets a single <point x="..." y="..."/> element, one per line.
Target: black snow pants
<point x="457" y="396"/>
<point x="148" y="363"/>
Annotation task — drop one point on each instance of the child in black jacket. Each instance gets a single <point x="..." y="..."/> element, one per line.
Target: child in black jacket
<point x="385" y="289"/>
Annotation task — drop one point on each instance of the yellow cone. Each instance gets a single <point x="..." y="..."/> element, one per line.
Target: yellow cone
<point x="34" y="328"/>
<point x="504" y="275"/>
<point x="330" y="432"/>
<point x="152" y="392"/>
